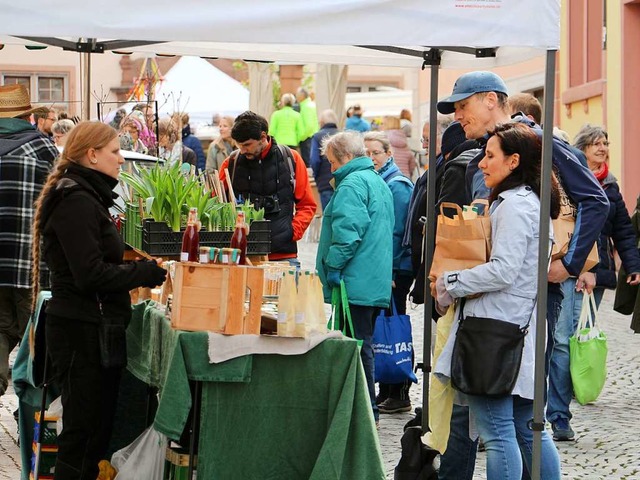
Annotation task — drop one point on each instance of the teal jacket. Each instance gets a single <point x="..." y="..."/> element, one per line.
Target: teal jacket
<point x="401" y="189"/>
<point x="356" y="235"/>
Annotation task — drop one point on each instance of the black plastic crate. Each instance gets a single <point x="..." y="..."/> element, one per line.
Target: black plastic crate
<point x="158" y="239"/>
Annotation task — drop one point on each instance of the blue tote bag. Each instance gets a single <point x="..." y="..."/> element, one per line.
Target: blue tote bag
<point x="393" y="348"/>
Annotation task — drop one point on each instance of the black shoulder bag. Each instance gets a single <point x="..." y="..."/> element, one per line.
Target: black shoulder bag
<point x="486" y="355"/>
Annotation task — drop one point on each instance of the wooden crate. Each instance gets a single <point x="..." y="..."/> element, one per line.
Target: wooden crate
<point x="212" y="297"/>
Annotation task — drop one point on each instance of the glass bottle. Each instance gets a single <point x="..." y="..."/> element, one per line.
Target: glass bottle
<point x="239" y="238"/>
<point x="191" y="238"/>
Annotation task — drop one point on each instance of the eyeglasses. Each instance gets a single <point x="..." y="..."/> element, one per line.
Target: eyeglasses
<point x="374" y="153"/>
<point x="601" y="143"/>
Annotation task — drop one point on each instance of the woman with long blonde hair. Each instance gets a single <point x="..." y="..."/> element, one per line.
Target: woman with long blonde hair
<point x="90" y="304"/>
<point x="222" y="147"/>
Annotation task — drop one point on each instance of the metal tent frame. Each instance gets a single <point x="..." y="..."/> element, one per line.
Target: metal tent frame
<point x="432" y="58"/>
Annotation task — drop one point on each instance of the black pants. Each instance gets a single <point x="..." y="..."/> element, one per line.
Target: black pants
<point x="89" y="394"/>
<point x="305" y="151"/>
<point x="399" y="391"/>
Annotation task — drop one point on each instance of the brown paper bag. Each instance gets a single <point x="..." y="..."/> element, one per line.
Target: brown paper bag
<point x="461" y="243"/>
<point x="563" y="227"/>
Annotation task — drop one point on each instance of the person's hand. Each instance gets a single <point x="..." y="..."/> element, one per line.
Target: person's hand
<point x="557" y="272"/>
<point x="333" y="278"/>
<point x="155" y="274"/>
<point x="586" y="281"/>
<point x="633" y="279"/>
<point x="441" y="310"/>
<point x="443" y="297"/>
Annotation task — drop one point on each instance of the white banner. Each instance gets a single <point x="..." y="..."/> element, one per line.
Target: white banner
<point x="471" y="23"/>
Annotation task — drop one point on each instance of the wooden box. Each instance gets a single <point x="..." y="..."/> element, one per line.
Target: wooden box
<point x="212" y="297"/>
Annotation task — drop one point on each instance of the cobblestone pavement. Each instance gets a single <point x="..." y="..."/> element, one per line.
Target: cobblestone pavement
<point x="607" y="444"/>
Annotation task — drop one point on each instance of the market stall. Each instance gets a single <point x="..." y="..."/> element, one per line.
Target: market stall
<point x="302" y="415"/>
<point x="494" y="32"/>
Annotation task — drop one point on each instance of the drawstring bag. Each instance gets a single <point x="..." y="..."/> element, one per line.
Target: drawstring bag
<point x="393" y="347"/>
<point x="588" y="354"/>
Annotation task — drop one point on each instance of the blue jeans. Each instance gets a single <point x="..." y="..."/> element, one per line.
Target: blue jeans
<point x="560" y="386"/>
<point x="364" y="320"/>
<point x="459" y="459"/>
<point x="502" y="425"/>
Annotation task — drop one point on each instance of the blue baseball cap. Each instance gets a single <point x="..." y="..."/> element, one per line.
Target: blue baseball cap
<point x="470" y="84"/>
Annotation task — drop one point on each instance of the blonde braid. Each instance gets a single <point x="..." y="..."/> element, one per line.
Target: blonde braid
<point x="61" y="166"/>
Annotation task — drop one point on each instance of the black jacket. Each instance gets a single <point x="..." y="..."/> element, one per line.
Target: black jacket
<point x="452" y="187"/>
<point x="618" y="232"/>
<point x="83" y="250"/>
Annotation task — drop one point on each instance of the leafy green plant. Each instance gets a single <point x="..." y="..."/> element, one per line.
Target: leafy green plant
<point x="168" y="195"/>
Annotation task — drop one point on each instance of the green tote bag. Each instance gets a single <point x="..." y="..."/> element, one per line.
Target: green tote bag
<point x="588" y="354"/>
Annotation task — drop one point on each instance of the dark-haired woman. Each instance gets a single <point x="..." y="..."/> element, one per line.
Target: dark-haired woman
<point x="90" y="304"/>
<point x="508" y="284"/>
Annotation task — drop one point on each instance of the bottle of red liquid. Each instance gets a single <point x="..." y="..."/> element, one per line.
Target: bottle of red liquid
<point x="239" y="238"/>
<point x="191" y="238"/>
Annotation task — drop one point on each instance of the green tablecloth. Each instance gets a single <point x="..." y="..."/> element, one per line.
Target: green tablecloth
<point x="263" y="416"/>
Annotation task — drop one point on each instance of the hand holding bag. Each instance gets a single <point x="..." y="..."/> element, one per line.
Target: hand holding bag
<point x="588" y="354"/>
<point x="393" y="347"/>
<point x="486" y="355"/>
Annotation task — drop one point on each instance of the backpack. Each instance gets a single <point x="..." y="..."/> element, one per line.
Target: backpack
<point x="286" y="154"/>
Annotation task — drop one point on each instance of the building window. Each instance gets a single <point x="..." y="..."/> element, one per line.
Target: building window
<point x="50" y="89"/>
<point x="42" y="88"/>
<point x="586" y="41"/>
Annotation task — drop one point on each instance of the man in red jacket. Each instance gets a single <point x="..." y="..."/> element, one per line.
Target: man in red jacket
<point x="272" y="177"/>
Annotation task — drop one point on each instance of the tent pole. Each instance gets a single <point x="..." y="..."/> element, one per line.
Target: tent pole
<point x="543" y="255"/>
<point x="429" y="243"/>
<point x="86" y="84"/>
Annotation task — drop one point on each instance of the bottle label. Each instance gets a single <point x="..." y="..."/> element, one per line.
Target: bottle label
<point x="282" y="317"/>
<point x="184" y="256"/>
<point x="204" y="258"/>
<point x="299" y="318"/>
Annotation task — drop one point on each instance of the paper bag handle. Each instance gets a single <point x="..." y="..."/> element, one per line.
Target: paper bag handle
<point x="453" y="206"/>
<point x="485" y="203"/>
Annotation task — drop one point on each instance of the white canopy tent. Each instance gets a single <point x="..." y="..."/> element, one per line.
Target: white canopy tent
<point x="403" y="33"/>
<point x="196" y="87"/>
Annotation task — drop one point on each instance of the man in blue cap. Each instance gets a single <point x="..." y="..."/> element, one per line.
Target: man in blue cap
<point x="479" y="101"/>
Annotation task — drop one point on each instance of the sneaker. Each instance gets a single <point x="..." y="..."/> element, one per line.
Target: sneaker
<point x="392" y="405"/>
<point x="380" y="399"/>
<point x="562" y="431"/>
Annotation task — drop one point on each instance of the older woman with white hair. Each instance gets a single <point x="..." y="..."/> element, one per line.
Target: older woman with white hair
<point x="394" y="398"/>
<point x="356" y="240"/>
<point x="60" y="130"/>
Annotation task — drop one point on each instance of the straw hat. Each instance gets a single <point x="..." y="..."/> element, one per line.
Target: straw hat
<point x="15" y="102"/>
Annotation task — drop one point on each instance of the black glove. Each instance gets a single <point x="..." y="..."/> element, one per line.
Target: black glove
<point x="152" y="273"/>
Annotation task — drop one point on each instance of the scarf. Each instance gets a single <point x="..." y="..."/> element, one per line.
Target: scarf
<point x="602" y="173"/>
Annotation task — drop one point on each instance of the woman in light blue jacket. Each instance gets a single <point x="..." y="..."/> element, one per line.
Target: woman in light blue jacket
<point x="508" y="288"/>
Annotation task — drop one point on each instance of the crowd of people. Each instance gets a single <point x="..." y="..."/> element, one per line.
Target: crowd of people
<point x="488" y="146"/>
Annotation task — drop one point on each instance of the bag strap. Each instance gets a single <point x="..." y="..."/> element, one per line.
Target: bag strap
<point x="286" y="154"/>
<point x="346" y="311"/>
<point x="586" y="313"/>
<point x="394" y="310"/>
